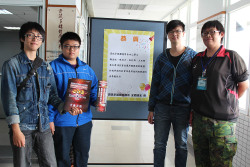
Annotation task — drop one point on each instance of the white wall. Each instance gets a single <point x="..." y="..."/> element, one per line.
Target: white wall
<point x="209" y="8"/>
<point x="206" y="10"/>
<point x="78" y="3"/>
<point x="83" y="32"/>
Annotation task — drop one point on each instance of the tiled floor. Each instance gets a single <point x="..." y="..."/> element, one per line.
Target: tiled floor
<point x="114" y="142"/>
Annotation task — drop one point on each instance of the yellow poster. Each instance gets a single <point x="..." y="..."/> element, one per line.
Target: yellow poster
<point x="128" y="64"/>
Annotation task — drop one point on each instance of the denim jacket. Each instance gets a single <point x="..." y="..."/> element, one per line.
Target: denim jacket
<point x="29" y="106"/>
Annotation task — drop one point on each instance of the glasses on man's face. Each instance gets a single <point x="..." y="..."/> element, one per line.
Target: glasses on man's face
<point x="212" y="32"/>
<point x="176" y="31"/>
<point x="32" y="36"/>
<point x="68" y="47"/>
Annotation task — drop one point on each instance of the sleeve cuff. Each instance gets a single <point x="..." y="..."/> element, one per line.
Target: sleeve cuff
<point x="13" y="119"/>
<point x="243" y="77"/>
<point x="150" y="109"/>
<point x="60" y="108"/>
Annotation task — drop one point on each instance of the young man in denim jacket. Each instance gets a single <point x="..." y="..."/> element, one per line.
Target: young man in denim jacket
<point x="26" y="109"/>
<point x="169" y="101"/>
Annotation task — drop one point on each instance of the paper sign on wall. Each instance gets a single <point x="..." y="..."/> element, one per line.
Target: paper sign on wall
<point x="128" y="63"/>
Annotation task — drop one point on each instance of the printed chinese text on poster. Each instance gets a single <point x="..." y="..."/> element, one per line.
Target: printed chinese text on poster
<point x="127" y="64"/>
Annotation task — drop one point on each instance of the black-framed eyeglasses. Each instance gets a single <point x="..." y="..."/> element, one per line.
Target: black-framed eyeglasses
<point x="177" y="32"/>
<point x="68" y="47"/>
<point x="204" y="34"/>
<point x="33" y="36"/>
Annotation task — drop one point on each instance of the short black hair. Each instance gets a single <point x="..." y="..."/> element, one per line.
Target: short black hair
<point x="70" y="36"/>
<point x="173" y="24"/>
<point x="213" y="24"/>
<point x="27" y="27"/>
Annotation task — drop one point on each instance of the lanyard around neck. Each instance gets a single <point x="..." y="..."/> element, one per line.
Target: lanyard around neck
<point x="204" y="67"/>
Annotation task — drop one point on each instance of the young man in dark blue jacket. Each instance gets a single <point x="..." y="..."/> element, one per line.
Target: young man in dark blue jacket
<point x="26" y="108"/>
<point x="169" y="101"/>
<point x="73" y="127"/>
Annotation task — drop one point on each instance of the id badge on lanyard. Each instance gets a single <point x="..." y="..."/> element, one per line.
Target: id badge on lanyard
<point x="202" y="82"/>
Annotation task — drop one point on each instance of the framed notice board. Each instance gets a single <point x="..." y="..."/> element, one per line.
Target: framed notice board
<point x="126" y="106"/>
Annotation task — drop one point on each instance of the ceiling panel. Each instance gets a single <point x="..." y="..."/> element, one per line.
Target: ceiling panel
<point x="21" y="14"/>
<point x="155" y="9"/>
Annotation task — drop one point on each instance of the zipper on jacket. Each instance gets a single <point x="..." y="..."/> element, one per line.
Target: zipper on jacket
<point x="38" y="87"/>
<point x="35" y="79"/>
<point x="38" y="105"/>
<point x="173" y="85"/>
<point x="78" y="114"/>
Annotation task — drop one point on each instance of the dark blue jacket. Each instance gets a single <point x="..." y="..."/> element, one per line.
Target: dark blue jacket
<point x="63" y="70"/>
<point x="27" y="106"/>
<point x="171" y="85"/>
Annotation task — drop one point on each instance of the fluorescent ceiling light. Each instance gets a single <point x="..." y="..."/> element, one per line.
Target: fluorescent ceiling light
<point x="12" y="28"/>
<point x="4" y="11"/>
<point x="132" y="6"/>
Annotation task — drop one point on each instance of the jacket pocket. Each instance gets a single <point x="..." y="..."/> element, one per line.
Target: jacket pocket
<point x="26" y="113"/>
<point x="26" y="93"/>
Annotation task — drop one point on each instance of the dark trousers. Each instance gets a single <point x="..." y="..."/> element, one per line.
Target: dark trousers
<point x="79" y="137"/>
<point x="41" y="142"/>
<point x="164" y="117"/>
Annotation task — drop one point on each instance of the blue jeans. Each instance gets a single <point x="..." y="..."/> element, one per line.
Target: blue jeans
<point x="165" y="116"/>
<point x="79" y="137"/>
<point x="41" y="142"/>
